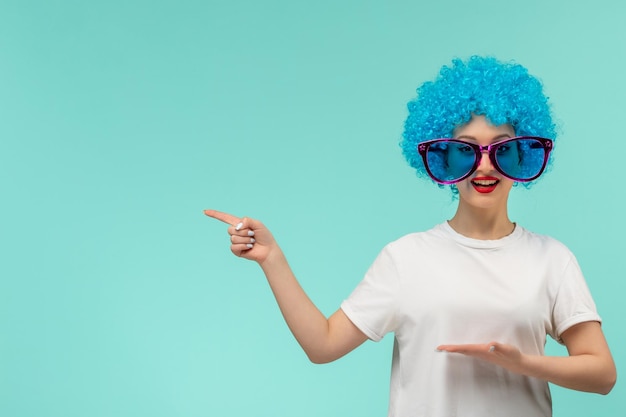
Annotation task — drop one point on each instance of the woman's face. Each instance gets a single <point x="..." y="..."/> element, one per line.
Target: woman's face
<point x="486" y="187"/>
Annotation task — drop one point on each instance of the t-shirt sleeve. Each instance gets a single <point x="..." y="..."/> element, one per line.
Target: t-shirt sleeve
<point x="573" y="303"/>
<point x="372" y="305"/>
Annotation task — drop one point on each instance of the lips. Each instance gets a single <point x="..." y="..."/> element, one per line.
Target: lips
<point x="485" y="184"/>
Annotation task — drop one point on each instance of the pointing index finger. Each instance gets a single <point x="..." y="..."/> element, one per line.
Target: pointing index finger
<point x="223" y="217"/>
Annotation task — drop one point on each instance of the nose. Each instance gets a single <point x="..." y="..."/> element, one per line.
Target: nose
<point x="485" y="162"/>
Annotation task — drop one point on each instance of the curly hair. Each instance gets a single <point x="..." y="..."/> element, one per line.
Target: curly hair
<point x="502" y="92"/>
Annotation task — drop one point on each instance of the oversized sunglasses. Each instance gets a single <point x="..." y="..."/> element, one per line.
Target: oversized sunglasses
<point x="521" y="158"/>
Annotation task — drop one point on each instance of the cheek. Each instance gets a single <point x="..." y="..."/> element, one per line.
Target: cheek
<point x="506" y="184"/>
<point x="464" y="187"/>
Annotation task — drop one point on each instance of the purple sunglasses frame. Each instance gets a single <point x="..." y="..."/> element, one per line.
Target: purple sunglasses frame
<point x="491" y="149"/>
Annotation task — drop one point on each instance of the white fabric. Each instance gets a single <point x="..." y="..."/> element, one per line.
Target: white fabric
<point x="439" y="287"/>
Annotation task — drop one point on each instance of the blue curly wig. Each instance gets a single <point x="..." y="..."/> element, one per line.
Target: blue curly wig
<point x="502" y="92"/>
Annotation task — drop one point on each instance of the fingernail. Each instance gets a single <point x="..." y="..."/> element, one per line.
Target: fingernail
<point x="250" y="232"/>
<point x="252" y="240"/>
<point x="239" y="226"/>
<point x="249" y="245"/>
<point x="438" y="350"/>
<point x="492" y="348"/>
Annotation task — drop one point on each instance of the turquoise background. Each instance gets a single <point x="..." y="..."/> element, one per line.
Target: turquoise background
<point x="120" y="121"/>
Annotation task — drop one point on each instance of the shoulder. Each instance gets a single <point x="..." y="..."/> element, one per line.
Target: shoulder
<point x="408" y="253"/>
<point x="417" y="243"/>
<point x="428" y="236"/>
<point x="543" y="240"/>
<point x="544" y="243"/>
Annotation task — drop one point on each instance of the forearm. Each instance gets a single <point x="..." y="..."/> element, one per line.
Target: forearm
<point x="586" y="372"/>
<point x="306" y="322"/>
<point x="589" y="366"/>
<point x="323" y="340"/>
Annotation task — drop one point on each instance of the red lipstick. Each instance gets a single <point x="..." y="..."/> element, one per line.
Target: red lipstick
<point x="485" y="184"/>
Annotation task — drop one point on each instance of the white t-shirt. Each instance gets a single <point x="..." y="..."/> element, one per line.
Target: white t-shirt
<point x="439" y="287"/>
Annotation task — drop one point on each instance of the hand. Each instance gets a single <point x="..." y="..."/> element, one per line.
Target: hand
<point x="249" y="238"/>
<point x="506" y="356"/>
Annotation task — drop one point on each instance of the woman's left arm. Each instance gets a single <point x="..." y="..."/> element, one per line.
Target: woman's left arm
<point x="589" y="366"/>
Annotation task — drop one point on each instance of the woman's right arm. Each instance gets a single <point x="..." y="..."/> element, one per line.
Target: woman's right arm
<point x="322" y="339"/>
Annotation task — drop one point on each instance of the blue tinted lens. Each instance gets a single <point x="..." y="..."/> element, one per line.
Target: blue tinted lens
<point x="449" y="161"/>
<point x="521" y="159"/>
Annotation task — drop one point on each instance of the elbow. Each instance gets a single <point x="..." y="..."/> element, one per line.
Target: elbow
<point x="319" y="359"/>
<point x="605" y="382"/>
<point x="321" y="356"/>
<point x="605" y="390"/>
<point x="609" y="383"/>
<point x="321" y="353"/>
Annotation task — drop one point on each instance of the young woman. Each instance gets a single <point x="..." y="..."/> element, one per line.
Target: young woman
<point x="471" y="301"/>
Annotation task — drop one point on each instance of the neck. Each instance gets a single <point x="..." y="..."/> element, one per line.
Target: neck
<point x="482" y="223"/>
